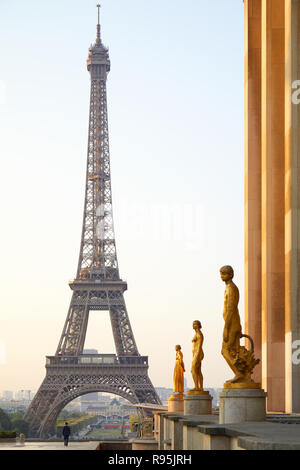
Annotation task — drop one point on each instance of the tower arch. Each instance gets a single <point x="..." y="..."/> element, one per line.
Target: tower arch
<point x="47" y="427"/>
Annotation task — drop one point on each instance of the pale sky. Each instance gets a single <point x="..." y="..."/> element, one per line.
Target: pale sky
<point x="175" y="104"/>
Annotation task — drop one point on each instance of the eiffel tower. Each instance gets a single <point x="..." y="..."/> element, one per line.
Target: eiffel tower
<point x="97" y="286"/>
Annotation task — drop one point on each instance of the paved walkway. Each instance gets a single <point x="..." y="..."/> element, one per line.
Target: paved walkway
<point x="73" y="445"/>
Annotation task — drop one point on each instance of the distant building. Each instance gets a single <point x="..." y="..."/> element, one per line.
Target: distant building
<point x="100" y="401"/>
<point x="12" y="406"/>
<point x="23" y="395"/>
<point x="113" y="408"/>
<point x="104" y="399"/>
<point x="89" y="397"/>
<point x="96" y="410"/>
<point x="90" y="351"/>
<point x="164" y="393"/>
<point x="74" y="406"/>
<point x="7" y="395"/>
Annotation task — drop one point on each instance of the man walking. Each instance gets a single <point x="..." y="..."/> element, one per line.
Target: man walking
<point x="66" y="433"/>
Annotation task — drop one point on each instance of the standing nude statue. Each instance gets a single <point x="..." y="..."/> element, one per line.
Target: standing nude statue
<point x="178" y="378"/>
<point x="240" y="360"/>
<point x="198" y="356"/>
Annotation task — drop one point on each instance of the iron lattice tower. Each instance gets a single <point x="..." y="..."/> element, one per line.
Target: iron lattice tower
<point x="97" y="286"/>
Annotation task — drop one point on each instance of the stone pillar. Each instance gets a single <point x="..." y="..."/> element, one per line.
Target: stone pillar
<point x="238" y="405"/>
<point x="144" y="444"/>
<point x="175" y="403"/>
<point x="292" y="202"/>
<point x="198" y="403"/>
<point x="273" y="197"/>
<point x="156" y="425"/>
<point x="161" y="434"/>
<point x="253" y="176"/>
<point x="167" y="433"/>
<point x="272" y="221"/>
<point x="215" y="442"/>
<point x="176" y="433"/>
<point x="192" y="439"/>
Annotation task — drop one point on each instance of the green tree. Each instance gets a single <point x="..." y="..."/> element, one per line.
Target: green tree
<point x="20" y="426"/>
<point x="5" y="422"/>
<point x="63" y="414"/>
<point x="76" y="424"/>
<point x="16" y="415"/>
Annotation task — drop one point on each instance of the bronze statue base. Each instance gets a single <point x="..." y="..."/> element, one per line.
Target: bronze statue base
<point x="195" y="391"/>
<point x="242" y="385"/>
<point x="177" y="396"/>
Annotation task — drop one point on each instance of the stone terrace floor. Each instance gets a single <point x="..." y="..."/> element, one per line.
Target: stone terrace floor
<point x="73" y="445"/>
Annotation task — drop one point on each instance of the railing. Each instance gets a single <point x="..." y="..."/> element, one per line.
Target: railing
<point x="97" y="359"/>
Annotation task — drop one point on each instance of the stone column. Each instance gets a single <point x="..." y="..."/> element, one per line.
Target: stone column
<point x="167" y="432"/>
<point x="161" y="434"/>
<point x="292" y="202"/>
<point x="253" y="176"/>
<point x="156" y="425"/>
<point x="176" y="432"/>
<point x="273" y="196"/>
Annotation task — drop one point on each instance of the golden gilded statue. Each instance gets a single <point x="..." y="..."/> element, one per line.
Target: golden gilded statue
<point x="240" y="360"/>
<point x="198" y="356"/>
<point x="178" y="377"/>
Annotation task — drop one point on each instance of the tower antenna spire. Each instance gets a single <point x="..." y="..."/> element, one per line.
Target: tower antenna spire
<point x="98" y="25"/>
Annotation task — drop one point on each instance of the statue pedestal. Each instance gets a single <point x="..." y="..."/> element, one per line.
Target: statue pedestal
<point x="238" y="405"/>
<point x="197" y="403"/>
<point x="175" y="403"/>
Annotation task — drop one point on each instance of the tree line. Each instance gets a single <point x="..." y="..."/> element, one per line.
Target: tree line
<point x="13" y="422"/>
